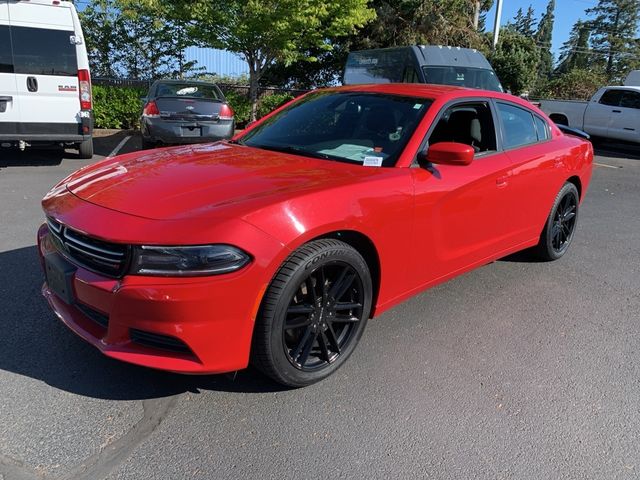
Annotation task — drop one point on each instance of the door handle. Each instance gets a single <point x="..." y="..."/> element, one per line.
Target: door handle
<point x="616" y="111"/>
<point x="32" y="84"/>
<point x="502" y="182"/>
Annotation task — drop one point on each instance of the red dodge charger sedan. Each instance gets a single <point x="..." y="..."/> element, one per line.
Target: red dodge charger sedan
<point x="277" y="246"/>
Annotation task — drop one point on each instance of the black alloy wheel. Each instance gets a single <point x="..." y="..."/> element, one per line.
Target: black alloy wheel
<point x="561" y="224"/>
<point x="313" y="313"/>
<point x="322" y="316"/>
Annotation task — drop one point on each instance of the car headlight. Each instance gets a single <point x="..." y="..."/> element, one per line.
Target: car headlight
<point x="187" y="261"/>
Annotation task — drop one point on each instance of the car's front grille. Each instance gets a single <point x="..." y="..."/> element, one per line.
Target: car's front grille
<point x="102" y="257"/>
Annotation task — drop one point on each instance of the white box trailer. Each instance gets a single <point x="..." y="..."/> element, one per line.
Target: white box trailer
<point x="633" y="79"/>
<point x="45" y="84"/>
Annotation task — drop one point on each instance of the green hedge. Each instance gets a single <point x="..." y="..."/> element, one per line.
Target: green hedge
<point x="117" y="107"/>
<point x="120" y="107"/>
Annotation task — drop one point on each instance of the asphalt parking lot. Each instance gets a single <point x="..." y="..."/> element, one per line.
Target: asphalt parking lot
<point x="518" y="370"/>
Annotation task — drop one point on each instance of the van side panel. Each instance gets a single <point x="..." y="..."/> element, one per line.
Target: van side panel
<point x="9" y="110"/>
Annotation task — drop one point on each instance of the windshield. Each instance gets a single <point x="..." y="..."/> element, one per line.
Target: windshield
<point x="463" y="77"/>
<point x="366" y="128"/>
<point x="188" y="90"/>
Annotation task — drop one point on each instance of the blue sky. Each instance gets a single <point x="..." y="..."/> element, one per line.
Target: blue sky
<point x="566" y="14"/>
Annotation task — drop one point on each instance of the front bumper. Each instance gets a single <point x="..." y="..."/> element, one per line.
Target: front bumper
<point x="182" y="131"/>
<point x="211" y="318"/>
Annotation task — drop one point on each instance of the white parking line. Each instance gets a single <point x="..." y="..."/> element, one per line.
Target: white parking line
<point x="115" y="151"/>
<point x="605" y="165"/>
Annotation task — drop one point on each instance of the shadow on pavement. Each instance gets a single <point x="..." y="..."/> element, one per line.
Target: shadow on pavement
<point x="35" y="344"/>
<point x="626" y="151"/>
<point x="12" y="157"/>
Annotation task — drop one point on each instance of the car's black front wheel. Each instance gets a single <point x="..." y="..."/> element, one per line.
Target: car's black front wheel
<point x="313" y="314"/>
<point x="561" y="224"/>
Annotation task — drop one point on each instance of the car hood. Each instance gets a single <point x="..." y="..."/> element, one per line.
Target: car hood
<point x="212" y="179"/>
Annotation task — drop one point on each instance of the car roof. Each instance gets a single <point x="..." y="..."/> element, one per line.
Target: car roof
<point x="624" y="87"/>
<point x="183" y="82"/>
<point x="430" y="91"/>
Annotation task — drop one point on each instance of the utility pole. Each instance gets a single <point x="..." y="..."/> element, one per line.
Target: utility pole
<point x="476" y="15"/>
<point x="496" y="26"/>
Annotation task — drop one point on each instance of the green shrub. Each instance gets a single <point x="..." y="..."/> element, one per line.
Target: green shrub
<point x="578" y="84"/>
<point x="117" y="107"/>
<point x="268" y="103"/>
<point x="241" y="106"/>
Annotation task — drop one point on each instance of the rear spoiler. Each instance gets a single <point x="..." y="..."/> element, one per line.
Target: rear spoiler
<point x="573" y="131"/>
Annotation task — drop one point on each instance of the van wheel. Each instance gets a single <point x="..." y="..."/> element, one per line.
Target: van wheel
<point x="86" y="149"/>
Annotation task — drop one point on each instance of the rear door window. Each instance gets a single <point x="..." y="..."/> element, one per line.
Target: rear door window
<point x="518" y="126"/>
<point x="40" y="51"/>
<point x="630" y="99"/>
<point x="611" y="98"/>
<point x="6" y="62"/>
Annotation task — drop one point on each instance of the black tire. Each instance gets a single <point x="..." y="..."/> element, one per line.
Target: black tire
<point x="561" y="224"/>
<point x="323" y="294"/>
<point x="85" y="149"/>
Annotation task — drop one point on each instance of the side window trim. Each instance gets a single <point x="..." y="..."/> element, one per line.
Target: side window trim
<point x="463" y="101"/>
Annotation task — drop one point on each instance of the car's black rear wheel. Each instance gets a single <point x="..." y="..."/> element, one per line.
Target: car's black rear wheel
<point x="561" y="224"/>
<point x="313" y="314"/>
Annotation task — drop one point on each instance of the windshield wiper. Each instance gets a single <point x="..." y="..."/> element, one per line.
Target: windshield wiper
<point x="296" y="151"/>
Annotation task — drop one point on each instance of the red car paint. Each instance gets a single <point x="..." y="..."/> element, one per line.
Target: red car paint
<point x="424" y="226"/>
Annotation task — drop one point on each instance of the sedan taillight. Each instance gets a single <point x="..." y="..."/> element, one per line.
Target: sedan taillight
<point x="151" y="109"/>
<point x="226" y="113"/>
<point x="84" y="80"/>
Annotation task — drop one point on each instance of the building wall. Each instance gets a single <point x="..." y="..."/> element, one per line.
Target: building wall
<point x="219" y="62"/>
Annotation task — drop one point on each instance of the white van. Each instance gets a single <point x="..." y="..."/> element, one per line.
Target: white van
<point x="45" y="85"/>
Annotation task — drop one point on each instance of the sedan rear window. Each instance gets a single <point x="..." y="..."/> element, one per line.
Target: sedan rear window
<point x="367" y="128"/>
<point x="188" y="90"/>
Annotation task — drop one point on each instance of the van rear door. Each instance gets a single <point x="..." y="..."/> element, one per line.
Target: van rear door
<point x="9" y="112"/>
<point x="46" y="68"/>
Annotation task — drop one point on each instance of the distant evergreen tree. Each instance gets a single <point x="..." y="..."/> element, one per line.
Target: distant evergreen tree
<point x="525" y="23"/>
<point x="614" y="35"/>
<point x="543" y="39"/>
<point x="575" y="51"/>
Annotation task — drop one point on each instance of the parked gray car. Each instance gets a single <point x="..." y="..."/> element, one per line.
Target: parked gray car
<point x="181" y="111"/>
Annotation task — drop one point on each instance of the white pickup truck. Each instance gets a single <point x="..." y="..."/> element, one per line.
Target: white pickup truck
<point x="613" y="112"/>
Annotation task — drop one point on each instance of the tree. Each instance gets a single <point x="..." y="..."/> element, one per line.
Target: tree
<point x="543" y="39"/>
<point x="577" y="84"/>
<point x="614" y="35"/>
<point x="524" y="23"/>
<point x="266" y="31"/>
<point x="575" y="51"/>
<point x="98" y="23"/>
<point x="138" y="45"/>
<point x="515" y="61"/>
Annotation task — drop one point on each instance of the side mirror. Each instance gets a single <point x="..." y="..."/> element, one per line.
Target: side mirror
<point x="447" y="153"/>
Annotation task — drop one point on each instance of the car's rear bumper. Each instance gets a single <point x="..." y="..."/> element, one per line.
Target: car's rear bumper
<point x="179" y="131"/>
<point x="47" y="132"/>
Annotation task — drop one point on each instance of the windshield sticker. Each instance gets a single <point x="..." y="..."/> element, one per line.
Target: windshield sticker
<point x="372" y="161"/>
<point x="417" y="106"/>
